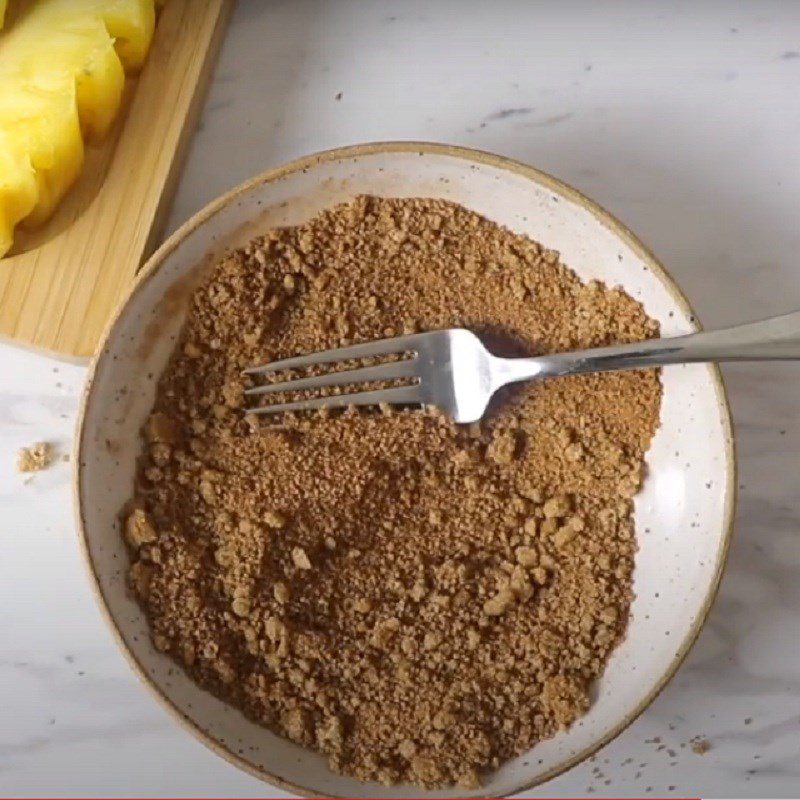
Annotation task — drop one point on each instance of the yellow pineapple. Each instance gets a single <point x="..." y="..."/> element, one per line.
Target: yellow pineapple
<point x="44" y="125"/>
<point x="62" y="73"/>
<point x="18" y="189"/>
<point x="80" y="54"/>
<point x="129" y="22"/>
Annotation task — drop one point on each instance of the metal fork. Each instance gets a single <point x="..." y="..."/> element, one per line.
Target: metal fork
<point x="452" y="370"/>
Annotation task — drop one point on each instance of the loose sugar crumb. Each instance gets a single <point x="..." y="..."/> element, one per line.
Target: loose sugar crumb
<point x="416" y="600"/>
<point x="701" y="746"/>
<point x="35" y="458"/>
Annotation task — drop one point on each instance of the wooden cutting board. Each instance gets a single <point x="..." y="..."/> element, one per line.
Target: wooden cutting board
<point x="59" y="290"/>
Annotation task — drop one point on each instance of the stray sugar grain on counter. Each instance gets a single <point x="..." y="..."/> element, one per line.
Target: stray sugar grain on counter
<point x="35" y="458"/>
<point x="416" y="600"/>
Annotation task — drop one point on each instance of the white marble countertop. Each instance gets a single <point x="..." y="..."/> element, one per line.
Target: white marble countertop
<point x="683" y="120"/>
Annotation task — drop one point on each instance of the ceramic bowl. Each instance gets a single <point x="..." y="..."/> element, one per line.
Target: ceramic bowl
<point x="683" y="514"/>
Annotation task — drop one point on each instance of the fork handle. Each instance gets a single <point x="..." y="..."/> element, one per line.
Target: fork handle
<point x="774" y="339"/>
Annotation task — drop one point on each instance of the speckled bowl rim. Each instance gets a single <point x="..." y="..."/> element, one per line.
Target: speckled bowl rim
<point x="423" y="148"/>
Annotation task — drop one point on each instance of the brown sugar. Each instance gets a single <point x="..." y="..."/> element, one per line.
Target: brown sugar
<point x="701" y="746"/>
<point x="417" y="600"/>
<point x="35" y="458"/>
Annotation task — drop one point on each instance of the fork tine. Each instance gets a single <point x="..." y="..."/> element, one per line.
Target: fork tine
<point x="396" y="369"/>
<point x="398" y="344"/>
<point x="400" y="394"/>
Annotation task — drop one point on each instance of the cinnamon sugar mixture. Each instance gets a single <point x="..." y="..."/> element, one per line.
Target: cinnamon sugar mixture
<point x="417" y="600"/>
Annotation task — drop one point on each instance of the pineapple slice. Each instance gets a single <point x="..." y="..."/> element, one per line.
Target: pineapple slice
<point x="129" y="22"/>
<point x="82" y="54"/>
<point x="98" y="89"/>
<point x="45" y="126"/>
<point x="3" y="4"/>
<point x="62" y="74"/>
<point x="18" y="189"/>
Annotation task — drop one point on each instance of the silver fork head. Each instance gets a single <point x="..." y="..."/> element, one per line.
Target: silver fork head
<point x="449" y="369"/>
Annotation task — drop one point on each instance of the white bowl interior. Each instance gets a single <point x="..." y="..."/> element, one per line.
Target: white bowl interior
<point x="682" y="514"/>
